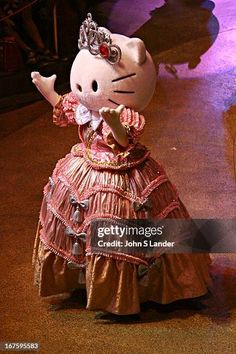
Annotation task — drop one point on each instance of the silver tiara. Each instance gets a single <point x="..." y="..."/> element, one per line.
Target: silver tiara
<point x="97" y="41"/>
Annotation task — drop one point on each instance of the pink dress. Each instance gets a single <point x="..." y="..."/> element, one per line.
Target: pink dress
<point x="100" y="179"/>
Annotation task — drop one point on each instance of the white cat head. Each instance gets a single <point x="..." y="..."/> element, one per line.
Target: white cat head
<point x="131" y="81"/>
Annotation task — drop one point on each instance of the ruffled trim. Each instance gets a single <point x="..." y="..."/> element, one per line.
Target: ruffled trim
<point x="119" y="256"/>
<point x="64" y="110"/>
<point x="117" y="189"/>
<point x="61" y="253"/>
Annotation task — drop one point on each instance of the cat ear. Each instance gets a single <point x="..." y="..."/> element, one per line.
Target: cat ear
<point x="137" y="50"/>
<point x="104" y="29"/>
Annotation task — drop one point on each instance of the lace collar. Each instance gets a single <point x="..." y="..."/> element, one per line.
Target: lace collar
<point x="83" y="116"/>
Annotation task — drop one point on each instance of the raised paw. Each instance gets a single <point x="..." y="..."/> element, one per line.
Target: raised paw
<point x="45" y="85"/>
<point x="111" y="116"/>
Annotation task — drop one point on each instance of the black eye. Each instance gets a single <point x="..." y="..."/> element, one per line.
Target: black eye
<point x="94" y="85"/>
<point x="79" y="87"/>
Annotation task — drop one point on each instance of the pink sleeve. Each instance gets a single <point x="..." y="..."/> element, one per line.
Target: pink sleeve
<point x="134" y="124"/>
<point x="64" y="111"/>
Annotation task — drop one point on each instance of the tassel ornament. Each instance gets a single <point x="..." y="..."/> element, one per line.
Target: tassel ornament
<point x="76" y="249"/>
<point x="82" y="205"/>
<point x="77" y="215"/>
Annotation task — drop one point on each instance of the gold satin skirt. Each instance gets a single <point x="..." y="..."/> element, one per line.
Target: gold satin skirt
<point x="113" y="285"/>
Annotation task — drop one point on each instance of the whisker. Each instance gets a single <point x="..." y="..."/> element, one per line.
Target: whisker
<point x="121" y="91"/>
<point x="123" y="77"/>
<point x="113" y="102"/>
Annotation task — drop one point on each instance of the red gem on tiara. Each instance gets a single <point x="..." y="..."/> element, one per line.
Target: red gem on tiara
<point x="104" y="50"/>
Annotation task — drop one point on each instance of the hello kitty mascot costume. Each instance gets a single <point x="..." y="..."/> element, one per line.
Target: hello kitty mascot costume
<point x="109" y="174"/>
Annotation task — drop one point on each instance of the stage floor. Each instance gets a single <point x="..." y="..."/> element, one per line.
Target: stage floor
<point x="190" y="129"/>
